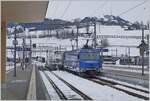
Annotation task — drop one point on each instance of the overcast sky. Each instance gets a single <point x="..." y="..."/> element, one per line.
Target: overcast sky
<point x="71" y="9"/>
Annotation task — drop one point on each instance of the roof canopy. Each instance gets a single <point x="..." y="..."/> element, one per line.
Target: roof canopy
<point x="23" y="11"/>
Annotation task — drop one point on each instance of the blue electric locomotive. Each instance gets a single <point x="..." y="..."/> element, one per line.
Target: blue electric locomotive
<point x="83" y="60"/>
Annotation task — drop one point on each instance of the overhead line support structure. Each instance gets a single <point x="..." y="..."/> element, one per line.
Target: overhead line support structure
<point x="94" y="34"/>
<point x="15" y="40"/>
<point x="77" y="36"/>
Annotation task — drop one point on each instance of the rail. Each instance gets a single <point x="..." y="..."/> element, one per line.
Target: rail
<point x="116" y="83"/>
<point x="112" y="85"/>
<point x="58" y="91"/>
<point x="84" y="96"/>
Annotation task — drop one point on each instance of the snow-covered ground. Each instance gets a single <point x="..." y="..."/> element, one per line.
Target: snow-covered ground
<point x="123" y="66"/>
<point x="127" y="70"/>
<point x="94" y="90"/>
<point x="132" y="90"/>
<point x="125" y="83"/>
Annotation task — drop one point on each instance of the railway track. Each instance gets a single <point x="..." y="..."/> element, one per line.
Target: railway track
<point x="113" y="85"/>
<point x="84" y="96"/>
<point x="60" y="93"/>
<point x="116" y="83"/>
<point x="103" y="82"/>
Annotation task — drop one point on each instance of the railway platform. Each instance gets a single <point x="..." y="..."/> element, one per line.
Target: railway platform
<point x="23" y="86"/>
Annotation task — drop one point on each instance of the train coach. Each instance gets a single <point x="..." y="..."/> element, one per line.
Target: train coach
<point x="83" y="60"/>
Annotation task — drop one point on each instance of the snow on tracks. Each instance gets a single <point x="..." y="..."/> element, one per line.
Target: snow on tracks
<point x="94" y="90"/>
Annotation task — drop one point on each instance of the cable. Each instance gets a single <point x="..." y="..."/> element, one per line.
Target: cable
<point x="132" y="8"/>
<point x="57" y="6"/>
<point x="50" y="7"/>
<point x="66" y="9"/>
<point x="140" y="13"/>
<point x="101" y="6"/>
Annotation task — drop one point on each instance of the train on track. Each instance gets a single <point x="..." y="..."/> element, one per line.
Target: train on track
<point x="84" y="60"/>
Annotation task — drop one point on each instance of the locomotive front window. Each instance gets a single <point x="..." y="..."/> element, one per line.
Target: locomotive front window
<point x="89" y="56"/>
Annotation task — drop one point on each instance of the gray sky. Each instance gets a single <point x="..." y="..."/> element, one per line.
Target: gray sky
<point x="71" y="9"/>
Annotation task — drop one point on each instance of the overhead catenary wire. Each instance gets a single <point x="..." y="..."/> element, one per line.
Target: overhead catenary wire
<point x="140" y="13"/>
<point x="100" y="6"/>
<point x="50" y="6"/>
<point x="132" y="8"/>
<point x="56" y="6"/>
<point x="67" y="7"/>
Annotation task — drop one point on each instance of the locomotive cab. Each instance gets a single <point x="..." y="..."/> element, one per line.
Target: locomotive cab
<point x="89" y="60"/>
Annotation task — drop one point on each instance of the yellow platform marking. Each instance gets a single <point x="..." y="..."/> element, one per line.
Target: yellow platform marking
<point x="31" y="95"/>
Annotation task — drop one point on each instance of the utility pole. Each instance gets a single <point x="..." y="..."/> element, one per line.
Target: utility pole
<point x="40" y="50"/>
<point x="142" y="52"/>
<point x="125" y="51"/>
<point x="25" y="54"/>
<point x="15" y="43"/>
<point x="34" y="48"/>
<point x="71" y="40"/>
<point x="71" y="44"/>
<point x="77" y="36"/>
<point x="116" y="52"/>
<point x="87" y="28"/>
<point x="30" y="50"/>
<point x="102" y="58"/>
<point x="94" y="39"/>
<point x="148" y="50"/>
<point x="129" y="56"/>
<point x="23" y="45"/>
<point x="47" y="57"/>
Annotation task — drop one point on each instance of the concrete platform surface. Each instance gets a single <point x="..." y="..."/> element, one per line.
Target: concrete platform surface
<point x="16" y="88"/>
